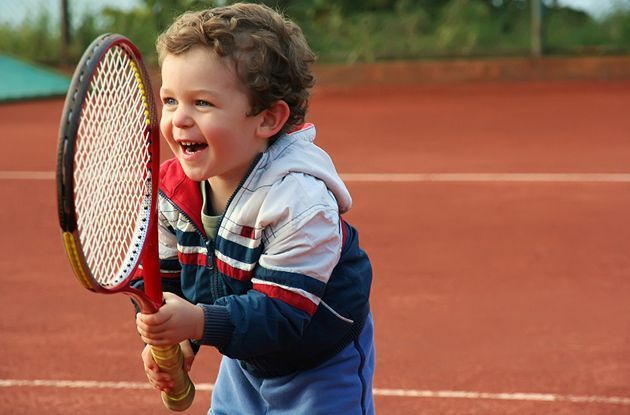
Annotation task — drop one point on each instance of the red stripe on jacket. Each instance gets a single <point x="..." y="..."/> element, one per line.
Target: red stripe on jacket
<point x="248" y="232"/>
<point x="344" y="232"/>
<point x="193" y="259"/>
<point x="291" y="298"/>
<point x="234" y="272"/>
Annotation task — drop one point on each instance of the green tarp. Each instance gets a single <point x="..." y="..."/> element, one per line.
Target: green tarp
<point x="20" y="80"/>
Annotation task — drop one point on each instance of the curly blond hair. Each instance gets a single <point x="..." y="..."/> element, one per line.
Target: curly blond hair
<point x="271" y="55"/>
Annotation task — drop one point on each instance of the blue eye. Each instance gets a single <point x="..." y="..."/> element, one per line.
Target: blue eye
<point x="203" y="103"/>
<point x="169" y="101"/>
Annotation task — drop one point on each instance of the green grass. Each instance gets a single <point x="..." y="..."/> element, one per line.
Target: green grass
<point x="405" y="31"/>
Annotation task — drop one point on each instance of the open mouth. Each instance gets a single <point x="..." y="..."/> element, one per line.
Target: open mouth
<point x="192" y="148"/>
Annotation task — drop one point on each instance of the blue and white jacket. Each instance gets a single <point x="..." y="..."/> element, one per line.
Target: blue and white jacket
<point x="285" y="285"/>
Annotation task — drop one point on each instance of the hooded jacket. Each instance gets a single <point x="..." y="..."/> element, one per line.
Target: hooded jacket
<point x="284" y="285"/>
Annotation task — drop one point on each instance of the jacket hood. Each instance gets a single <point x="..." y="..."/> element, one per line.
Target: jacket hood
<point x="296" y="152"/>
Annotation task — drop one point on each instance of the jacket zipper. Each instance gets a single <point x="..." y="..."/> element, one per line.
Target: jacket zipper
<point x="227" y="206"/>
<point x="242" y="182"/>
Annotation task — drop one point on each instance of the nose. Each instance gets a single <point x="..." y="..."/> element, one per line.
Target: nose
<point x="181" y="117"/>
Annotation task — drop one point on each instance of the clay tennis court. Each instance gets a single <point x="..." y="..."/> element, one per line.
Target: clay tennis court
<point x="496" y="216"/>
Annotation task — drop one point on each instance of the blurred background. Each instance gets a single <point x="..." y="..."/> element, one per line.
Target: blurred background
<point x="55" y="32"/>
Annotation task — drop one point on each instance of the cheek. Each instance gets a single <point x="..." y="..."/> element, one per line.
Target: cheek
<point x="216" y="134"/>
<point x="167" y="133"/>
<point x="165" y="126"/>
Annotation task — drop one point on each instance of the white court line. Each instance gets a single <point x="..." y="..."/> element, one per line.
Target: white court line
<point x="27" y="175"/>
<point x="417" y="177"/>
<point x="403" y="393"/>
<point x="536" y="397"/>
<point x="489" y="177"/>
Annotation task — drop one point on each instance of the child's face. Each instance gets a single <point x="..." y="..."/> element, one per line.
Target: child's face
<point x="204" y="118"/>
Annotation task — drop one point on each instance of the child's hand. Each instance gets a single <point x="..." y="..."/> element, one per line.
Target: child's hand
<point x="160" y="380"/>
<point x="175" y="321"/>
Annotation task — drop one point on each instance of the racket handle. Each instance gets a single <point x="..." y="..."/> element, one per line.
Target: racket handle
<point x="170" y="359"/>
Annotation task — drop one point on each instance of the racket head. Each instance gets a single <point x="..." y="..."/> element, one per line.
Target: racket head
<point x="108" y="164"/>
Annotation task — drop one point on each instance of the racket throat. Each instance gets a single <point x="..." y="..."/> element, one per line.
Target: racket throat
<point x="143" y="302"/>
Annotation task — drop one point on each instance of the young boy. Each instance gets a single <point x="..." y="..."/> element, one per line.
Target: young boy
<point x="253" y="249"/>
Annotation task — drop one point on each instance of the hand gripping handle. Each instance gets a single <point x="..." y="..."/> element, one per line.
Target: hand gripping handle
<point x="170" y="359"/>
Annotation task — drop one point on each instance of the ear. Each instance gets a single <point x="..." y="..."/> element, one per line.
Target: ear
<point x="273" y="119"/>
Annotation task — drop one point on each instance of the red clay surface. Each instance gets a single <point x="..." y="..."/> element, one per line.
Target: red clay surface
<point x="479" y="287"/>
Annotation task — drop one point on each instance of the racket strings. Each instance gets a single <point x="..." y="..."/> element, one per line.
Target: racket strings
<point x="112" y="176"/>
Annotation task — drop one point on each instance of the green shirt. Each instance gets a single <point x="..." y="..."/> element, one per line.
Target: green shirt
<point x="210" y="222"/>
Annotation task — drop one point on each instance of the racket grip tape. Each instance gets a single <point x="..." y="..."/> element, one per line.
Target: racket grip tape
<point x="170" y="359"/>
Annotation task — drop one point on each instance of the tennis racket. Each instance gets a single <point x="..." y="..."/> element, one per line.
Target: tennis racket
<point x="107" y="181"/>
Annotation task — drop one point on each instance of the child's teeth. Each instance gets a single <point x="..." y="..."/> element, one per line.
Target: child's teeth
<point x="190" y="147"/>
